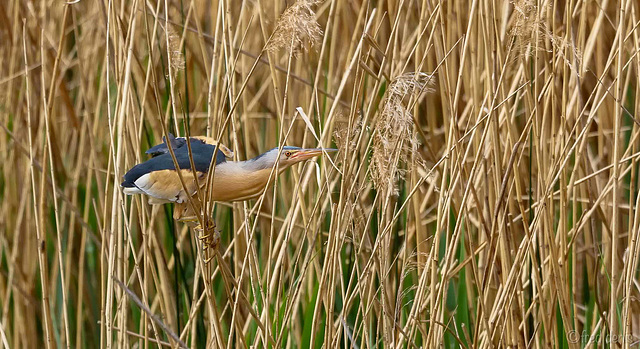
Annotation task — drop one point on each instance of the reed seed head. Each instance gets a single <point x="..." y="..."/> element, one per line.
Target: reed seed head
<point x="295" y="27"/>
<point x="176" y="59"/>
<point x="531" y="30"/>
<point x="395" y="139"/>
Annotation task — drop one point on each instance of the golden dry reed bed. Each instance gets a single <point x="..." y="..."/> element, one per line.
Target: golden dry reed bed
<point x="485" y="193"/>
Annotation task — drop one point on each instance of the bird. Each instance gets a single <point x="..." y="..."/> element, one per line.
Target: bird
<point x="233" y="181"/>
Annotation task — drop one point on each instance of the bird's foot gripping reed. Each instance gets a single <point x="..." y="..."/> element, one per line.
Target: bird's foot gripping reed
<point x="210" y="238"/>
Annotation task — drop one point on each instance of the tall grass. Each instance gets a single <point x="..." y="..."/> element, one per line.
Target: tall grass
<point x="485" y="193"/>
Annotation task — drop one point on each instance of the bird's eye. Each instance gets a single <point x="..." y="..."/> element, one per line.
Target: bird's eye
<point x="287" y="153"/>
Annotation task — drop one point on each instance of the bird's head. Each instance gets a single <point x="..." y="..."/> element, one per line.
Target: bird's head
<point x="288" y="156"/>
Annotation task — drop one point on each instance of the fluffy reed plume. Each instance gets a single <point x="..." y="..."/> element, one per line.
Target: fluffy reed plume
<point x="295" y="27"/>
<point x="531" y="31"/>
<point x="346" y="137"/>
<point x="525" y="19"/>
<point x="176" y="59"/>
<point x="395" y="139"/>
<point x="567" y="50"/>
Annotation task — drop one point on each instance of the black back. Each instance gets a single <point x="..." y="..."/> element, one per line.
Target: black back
<point x="202" y="155"/>
<point x="162" y="148"/>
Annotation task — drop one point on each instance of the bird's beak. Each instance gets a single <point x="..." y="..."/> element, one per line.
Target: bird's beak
<point x="305" y="154"/>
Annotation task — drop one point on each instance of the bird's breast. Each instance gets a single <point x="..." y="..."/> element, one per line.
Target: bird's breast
<point x="238" y="184"/>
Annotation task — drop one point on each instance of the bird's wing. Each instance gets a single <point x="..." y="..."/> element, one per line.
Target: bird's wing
<point x="178" y="142"/>
<point x="158" y="178"/>
<point x="228" y="153"/>
<point x="162" y="148"/>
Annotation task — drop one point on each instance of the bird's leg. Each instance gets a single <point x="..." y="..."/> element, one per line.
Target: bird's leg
<point x="207" y="234"/>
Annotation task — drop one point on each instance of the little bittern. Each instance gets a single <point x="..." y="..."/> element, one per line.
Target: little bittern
<point x="232" y="180"/>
